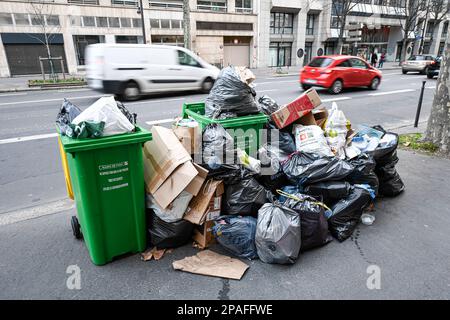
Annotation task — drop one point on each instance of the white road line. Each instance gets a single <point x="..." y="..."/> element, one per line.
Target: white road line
<point x="269" y="82"/>
<point x="390" y="74"/>
<point x="151" y="123"/>
<point x="28" y="138"/>
<point x="49" y="100"/>
<point x="267" y="90"/>
<point x="36" y="212"/>
<point x="410" y="77"/>
<point x="430" y="87"/>
<point x="336" y="99"/>
<point x="390" y="92"/>
<point x="13" y="94"/>
<point x="74" y="90"/>
<point x="154" y="101"/>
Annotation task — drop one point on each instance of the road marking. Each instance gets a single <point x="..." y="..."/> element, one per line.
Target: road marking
<point x="430" y="87"/>
<point x="28" y="138"/>
<point x="154" y="101"/>
<point x="390" y="92"/>
<point x="269" y="82"/>
<point x="336" y="99"/>
<point x="36" y="212"/>
<point x="74" y="90"/>
<point x="389" y="74"/>
<point x="267" y="90"/>
<point x="13" y="94"/>
<point x="151" y="123"/>
<point x="410" y="77"/>
<point x="49" y="100"/>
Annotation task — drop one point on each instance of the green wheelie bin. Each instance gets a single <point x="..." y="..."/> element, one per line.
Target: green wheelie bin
<point x="107" y="177"/>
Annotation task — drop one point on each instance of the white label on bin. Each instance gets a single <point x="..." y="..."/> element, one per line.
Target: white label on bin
<point x="114" y="175"/>
<point x="123" y="185"/>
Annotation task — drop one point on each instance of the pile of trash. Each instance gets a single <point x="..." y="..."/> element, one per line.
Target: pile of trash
<point x="314" y="180"/>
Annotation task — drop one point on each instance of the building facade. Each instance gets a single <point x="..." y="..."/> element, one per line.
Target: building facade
<point x="256" y="33"/>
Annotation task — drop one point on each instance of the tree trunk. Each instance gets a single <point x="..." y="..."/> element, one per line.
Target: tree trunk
<point x="186" y="24"/>
<point x="438" y="127"/>
<point x="50" y="61"/>
<point x="404" y="49"/>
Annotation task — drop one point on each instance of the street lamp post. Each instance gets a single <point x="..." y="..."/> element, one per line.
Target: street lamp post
<point x="141" y="11"/>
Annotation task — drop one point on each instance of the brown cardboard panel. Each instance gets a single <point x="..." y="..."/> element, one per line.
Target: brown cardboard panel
<point x="189" y="137"/>
<point x="196" y="184"/>
<point x="201" y="204"/>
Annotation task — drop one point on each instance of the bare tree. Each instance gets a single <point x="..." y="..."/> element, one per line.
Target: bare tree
<point x="409" y="12"/>
<point x="341" y="9"/>
<point x="436" y="11"/>
<point x="438" y="127"/>
<point x="187" y="24"/>
<point x="40" y="11"/>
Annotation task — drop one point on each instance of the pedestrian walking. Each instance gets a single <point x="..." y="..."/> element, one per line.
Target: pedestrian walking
<point x="381" y="62"/>
<point x="374" y="59"/>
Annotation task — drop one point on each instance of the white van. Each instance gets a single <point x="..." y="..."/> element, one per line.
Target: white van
<point x="132" y="70"/>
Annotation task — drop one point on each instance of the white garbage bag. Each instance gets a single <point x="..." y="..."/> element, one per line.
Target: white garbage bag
<point x="336" y="131"/>
<point x="311" y="139"/>
<point x="105" y="110"/>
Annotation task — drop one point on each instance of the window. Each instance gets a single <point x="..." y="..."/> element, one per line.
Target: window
<point x="113" y="22"/>
<point x="280" y="54"/>
<point x="320" y="62"/>
<point x="81" y="42"/>
<point x="168" y="40"/>
<point x="207" y="25"/>
<point x="416" y="58"/>
<point x="21" y="19"/>
<point x="154" y="23"/>
<point x="175" y="24"/>
<point x="310" y="24"/>
<point x="125" y="22"/>
<point x="137" y="23"/>
<point x="344" y="64"/>
<point x="129" y="3"/>
<point x="102" y="22"/>
<point x="215" y="5"/>
<point x="441" y="48"/>
<point x="126" y="39"/>
<point x="95" y="2"/>
<point x="169" y="4"/>
<point x="367" y="1"/>
<point x="243" y="6"/>
<point x="52" y="20"/>
<point x="356" y="63"/>
<point x="37" y="20"/>
<point x="308" y="53"/>
<point x="88" y="21"/>
<point x="165" y="24"/>
<point x="5" y="19"/>
<point x="444" y="30"/>
<point x="187" y="60"/>
<point x="75" y="21"/>
<point x="281" y="23"/>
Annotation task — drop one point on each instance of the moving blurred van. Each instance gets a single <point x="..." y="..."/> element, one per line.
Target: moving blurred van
<point x="133" y="70"/>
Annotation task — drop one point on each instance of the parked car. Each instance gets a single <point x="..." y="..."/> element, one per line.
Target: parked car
<point x="433" y="68"/>
<point x="337" y="72"/>
<point x="132" y="70"/>
<point x="418" y="63"/>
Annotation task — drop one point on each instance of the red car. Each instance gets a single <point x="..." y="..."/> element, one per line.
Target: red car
<point x="337" y="72"/>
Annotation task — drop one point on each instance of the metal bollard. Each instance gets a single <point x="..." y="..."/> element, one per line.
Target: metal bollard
<point x="419" y="106"/>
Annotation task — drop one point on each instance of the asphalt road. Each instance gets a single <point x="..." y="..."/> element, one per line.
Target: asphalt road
<point x="409" y="240"/>
<point x="30" y="168"/>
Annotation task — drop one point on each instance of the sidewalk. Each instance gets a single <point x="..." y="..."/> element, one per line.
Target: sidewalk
<point x="409" y="241"/>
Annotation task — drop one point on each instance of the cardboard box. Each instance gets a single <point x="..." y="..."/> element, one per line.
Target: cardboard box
<point x="168" y="168"/>
<point x="189" y="137"/>
<point x="320" y="115"/>
<point x="203" y="209"/>
<point x="296" y="109"/>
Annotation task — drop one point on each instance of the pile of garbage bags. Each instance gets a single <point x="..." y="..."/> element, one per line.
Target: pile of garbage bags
<point x="309" y="182"/>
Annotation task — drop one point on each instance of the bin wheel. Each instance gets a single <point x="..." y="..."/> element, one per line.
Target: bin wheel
<point x="76" y="229"/>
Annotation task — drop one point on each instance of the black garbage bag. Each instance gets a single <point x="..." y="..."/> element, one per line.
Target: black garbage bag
<point x="268" y="105"/>
<point x="329" y="192"/>
<point x="164" y="235"/>
<point x="230" y="94"/>
<point x="347" y="213"/>
<point x="243" y="196"/>
<point x="364" y="173"/>
<point x="272" y="177"/>
<point x="306" y="168"/>
<point x="313" y="222"/>
<point x="280" y="139"/>
<point x="217" y="147"/>
<point x="237" y="235"/>
<point x="132" y="117"/>
<point x="390" y="183"/>
<point x="278" y="234"/>
<point x="67" y="113"/>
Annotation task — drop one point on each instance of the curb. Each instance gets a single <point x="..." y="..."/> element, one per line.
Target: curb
<point x="41" y="88"/>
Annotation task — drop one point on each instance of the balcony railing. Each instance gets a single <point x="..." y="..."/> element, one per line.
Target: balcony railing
<point x="92" y="2"/>
<point x="128" y="3"/>
<point x="244" y="10"/>
<point x="166" y="5"/>
<point x="216" y="8"/>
